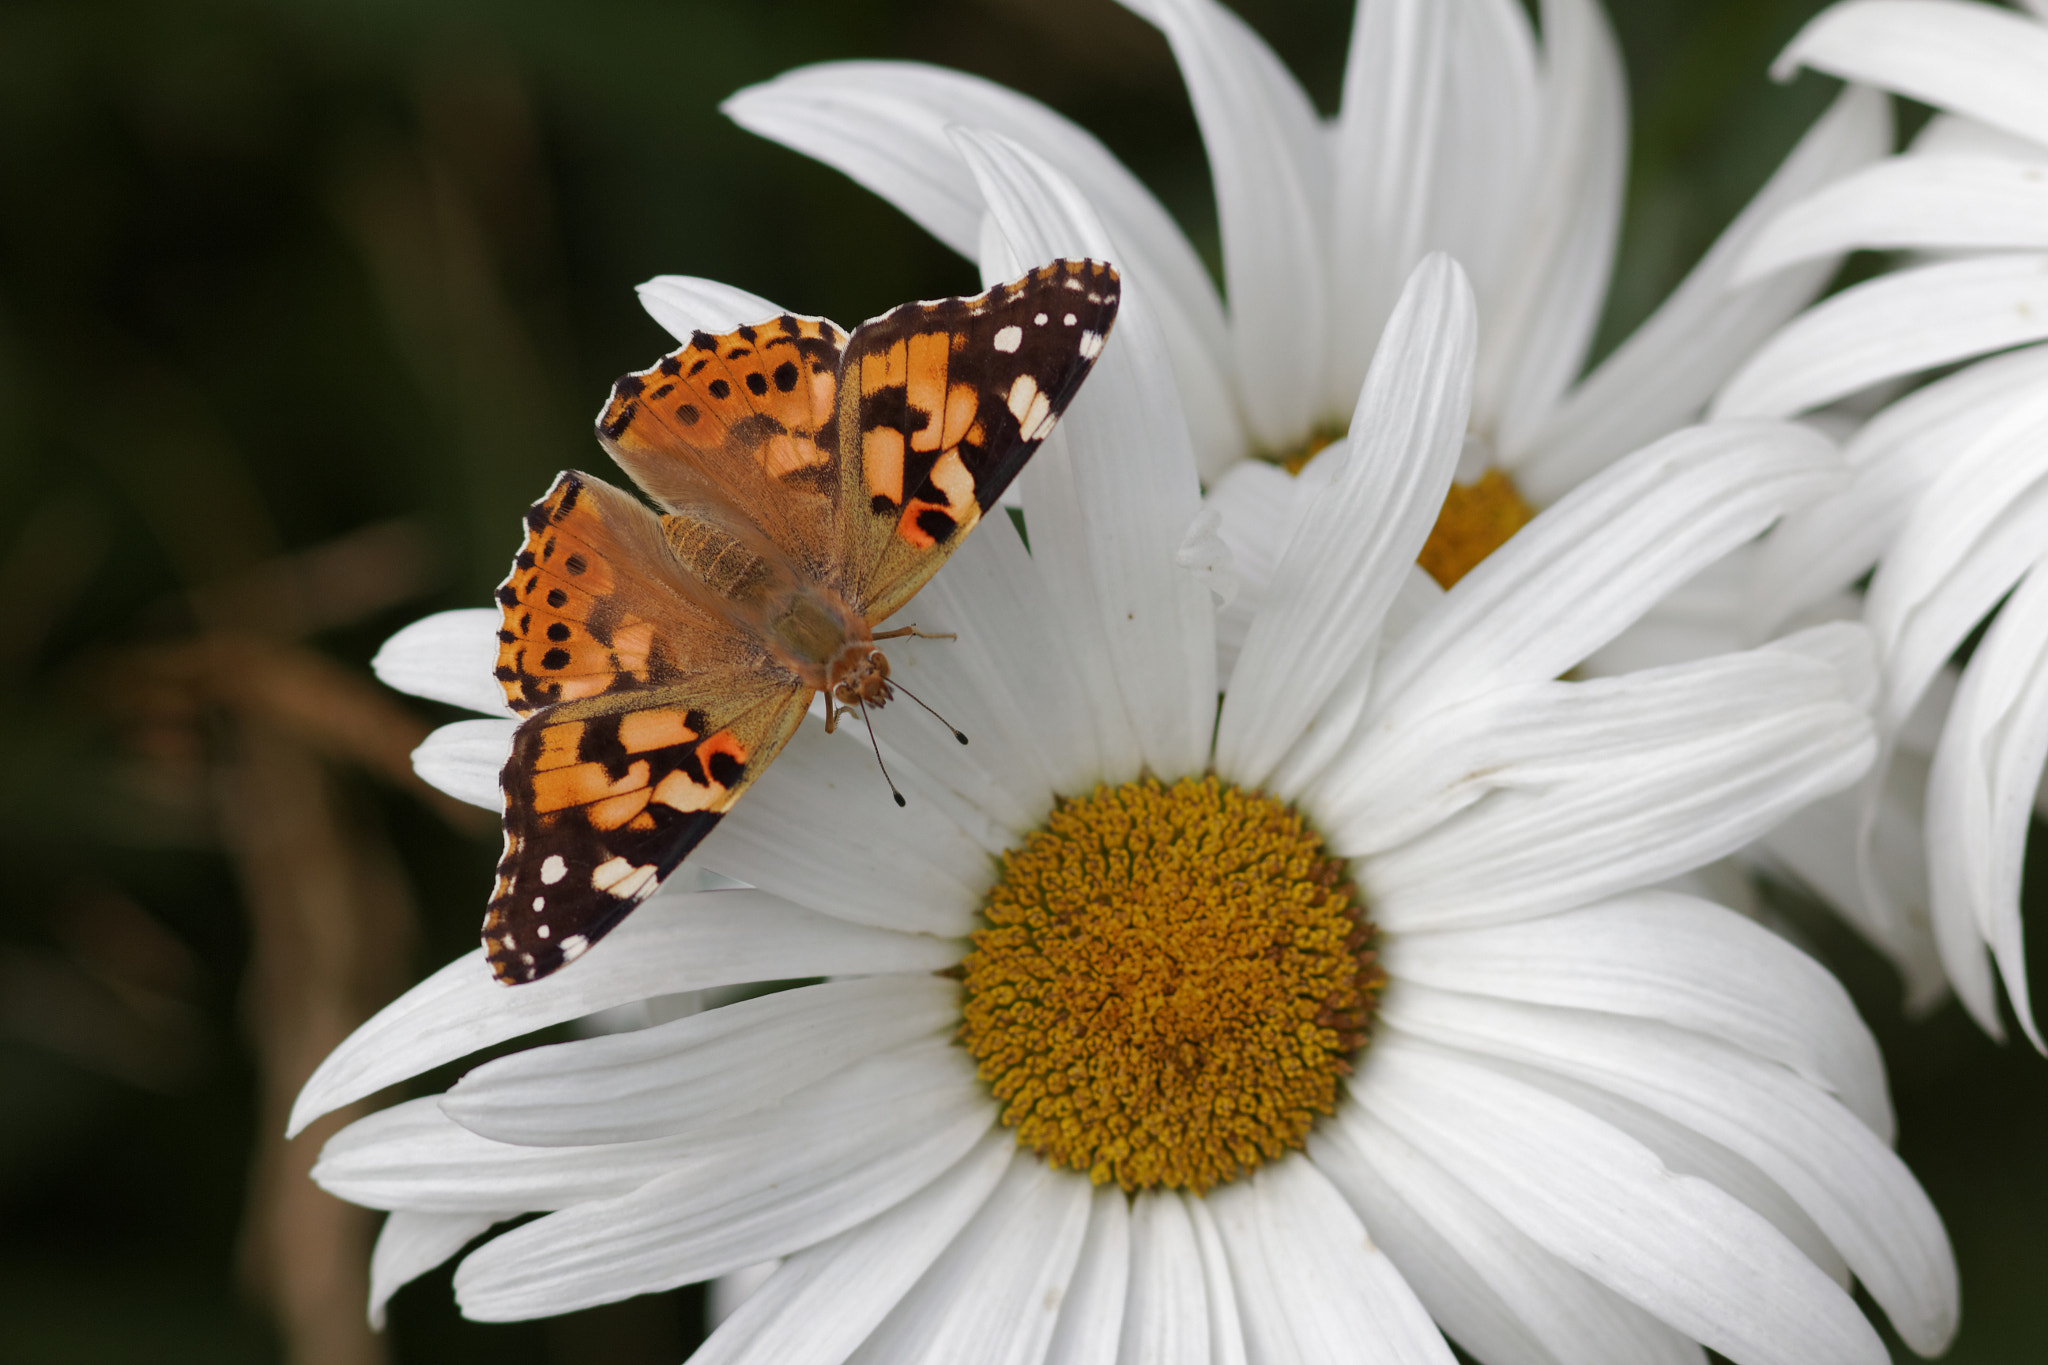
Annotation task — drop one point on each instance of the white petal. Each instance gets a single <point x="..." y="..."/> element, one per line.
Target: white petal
<point x="819" y="829"/>
<point x="1974" y="59"/>
<point x="411" y="1243"/>
<point x="994" y="1297"/>
<point x="1656" y="955"/>
<point x="464" y="759"/>
<point x="1949" y="134"/>
<point x="1851" y="1185"/>
<point x="1825" y="546"/>
<point x="672" y="943"/>
<point x="1257" y="503"/>
<point x="1167" y="1318"/>
<point x="1311" y="1285"/>
<point x="684" y="1075"/>
<point x="1092" y="1313"/>
<point x="1912" y="201"/>
<point x="824" y="1300"/>
<point x="1501" y="1295"/>
<point x="1535" y="338"/>
<point x="1665" y="798"/>
<point x="1133" y="478"/>
<point x="1897" y="324"/>
<point x="687" y="304"/>
<point x="885" y="124"/>
<point x="1584" y="569"/>
<point x="447" y="657"/>
<point x="1267" y="160"/>
<point x="1227" y="1344"/>
<point x="1350" y="551"/>
<point x="1678" y="1246"/>
<point x="813" y="1166"/>
<point x="1980" y="797"/>
<point x="1486" y="148"/>
<point x="1663" y="375"/>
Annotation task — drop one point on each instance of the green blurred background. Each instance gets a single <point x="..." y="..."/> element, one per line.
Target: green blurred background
<point x="300" y="303"/>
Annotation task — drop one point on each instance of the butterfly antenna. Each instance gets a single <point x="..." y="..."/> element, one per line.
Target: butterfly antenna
<point x="935" y="715"/>
<point x="878" y="754"/>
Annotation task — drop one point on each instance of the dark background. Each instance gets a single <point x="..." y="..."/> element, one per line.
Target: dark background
<point x="300" y="303"/>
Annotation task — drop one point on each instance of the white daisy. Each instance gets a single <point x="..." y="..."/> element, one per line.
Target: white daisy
<point x="1949" y="498"/>
<point x="1590" y="1121"/>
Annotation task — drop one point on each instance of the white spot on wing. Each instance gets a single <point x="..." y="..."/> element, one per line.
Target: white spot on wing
<point x="543" y="931"/>
<point x="1009" y="339"/>
<point x="1041" y="319"/>
<point x="540" y="902"/>
<point x="1070" y="319"/>
<point x="576" y="945"/>
<point x="1091" y="347"/>
<point x="554" y="869"/>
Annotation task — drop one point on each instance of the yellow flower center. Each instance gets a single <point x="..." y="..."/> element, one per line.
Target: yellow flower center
<point x="1477" y="518"/>
<point x="1171" y="984"/>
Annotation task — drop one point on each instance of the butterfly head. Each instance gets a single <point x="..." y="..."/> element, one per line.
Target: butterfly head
<point x="860" y="677"/>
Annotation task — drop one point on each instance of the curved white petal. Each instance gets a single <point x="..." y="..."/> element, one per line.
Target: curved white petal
<point x="825" y="1300"/>
<point x="687" y="304"/>
<point x="1311" y="1286"/>
<point x="1664" y="373"/>
<point x="1350" y="550"/>
<point x="690" y="1073"/>
<point x="411" y="1243"/>
<point x="1678" y="1246"/>
<point x="1226" y="1324"/>
<point x="1092" y="1313"/>
<point x="1256" y="503"/>
<point x="1586" y="568"/>
<point x="885" y="125"/>
<point x="674" y="942"/>
<point x="993" y="1298"/>
<point x="1938" y="203"/>
<point x="447" y="657"/>
<point x="1853" y="1187"/>
<point x="1534" y="341"/>
<point x="1980" y="798"/>
<point x="1124" y="449"/>
<point x="1974" y="59"/>
<point x="1499" y="1294"/>
<point x="1676" y="959"/>
<point x="1664" y="798"/>
<point x="1897" y="324"/>
<point x="464" y="759"/>
<point x="1167" y="1317"/>
<point x="1267" y="158"/>
<point x="815" y="1165"/>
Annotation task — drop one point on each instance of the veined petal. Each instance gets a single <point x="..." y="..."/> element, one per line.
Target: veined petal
<point x="1311" y="1286"/>
<point x="825" y="1300"/>
<point x="672" y="943"/>
<point x="1267" y="158"/>
<point x="1980" y="798"/>
<point x="1351" y="549"/>
<point x="1498" y="1293"/>
<point x="1678" y="1246"/>
<point x="815" y="1165"/>
<point x="1487" y="143"/>
<point x="993" y="1297"/>
<point x="690" y="1073"/>
<point x="1092" y="1314"/>
<point x="1974" y="59"/>
<point x="1897" y="324"/>
<point x="885" y="125"/>
<point x="1931" y="202"/>
<point x="1663" y="375"/>
<point x="1535" y="340"/>
<point x="412" y="1242"/>
<point x="1686" y="962"/>
<point x="464" y="759"/>
<point x="1167" y="1316"/>
<point x="1132" y="471"/>
<point x="1226" y="1325"/>
<point x="447" y="657"/>
<point x="1586" y="568"/>
<point x="1853" y="1187"/>
<point x="687" y="304"/>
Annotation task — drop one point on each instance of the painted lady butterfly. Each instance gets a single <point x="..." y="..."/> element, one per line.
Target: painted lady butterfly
<point x="810" y="483"/>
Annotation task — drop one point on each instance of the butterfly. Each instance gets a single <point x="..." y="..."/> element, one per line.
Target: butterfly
<point x="809" y="483"/>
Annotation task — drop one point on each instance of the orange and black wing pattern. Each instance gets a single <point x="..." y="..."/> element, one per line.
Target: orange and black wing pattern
<point x="941" y="404"/>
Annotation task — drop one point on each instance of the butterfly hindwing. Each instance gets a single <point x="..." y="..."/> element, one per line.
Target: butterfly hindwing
<point x="941" y="404"/>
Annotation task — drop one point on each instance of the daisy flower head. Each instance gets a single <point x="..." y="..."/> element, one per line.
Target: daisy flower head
<point x="1316" y="1024"/>
<point x="1946" y="499"/>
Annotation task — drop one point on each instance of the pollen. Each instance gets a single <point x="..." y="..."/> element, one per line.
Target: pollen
<point x="1476" y="519"/>
<point x="1171" y="986"/>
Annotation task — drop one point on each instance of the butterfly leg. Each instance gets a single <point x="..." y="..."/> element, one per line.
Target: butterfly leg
<point x="912" y="631"/>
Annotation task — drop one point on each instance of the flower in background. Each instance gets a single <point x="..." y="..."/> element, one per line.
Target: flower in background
<point x="1331" y="1018"/>
<point x="1949" y="498"/>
